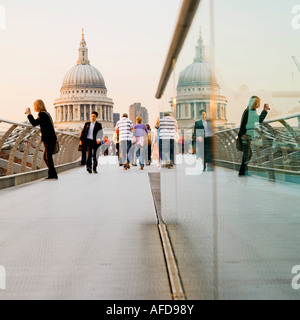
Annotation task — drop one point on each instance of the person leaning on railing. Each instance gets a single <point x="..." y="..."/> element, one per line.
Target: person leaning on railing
<point x="247" y="130"/>
<point x="49" y="138"/>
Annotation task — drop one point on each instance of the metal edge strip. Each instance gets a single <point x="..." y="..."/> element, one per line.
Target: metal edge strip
<point x="184" y="22"/>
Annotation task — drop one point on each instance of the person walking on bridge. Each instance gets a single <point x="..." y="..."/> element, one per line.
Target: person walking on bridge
<point x="124" y="129"/>
<point x="203" y="139"/>
<point x="90" y="137"/>
<point x="247" y="131"/>
<point x="49" y="138"/>
<point x="168" y="129"/>
<point x="149" y="144"/>
<point x="141" y="134"/>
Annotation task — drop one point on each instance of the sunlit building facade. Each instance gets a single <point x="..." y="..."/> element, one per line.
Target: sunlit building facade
<point x="136" y="110"/>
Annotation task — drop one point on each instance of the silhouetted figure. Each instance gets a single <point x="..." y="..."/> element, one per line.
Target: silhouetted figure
<point x="168" y="129"/>
<point x="202" y="140"/>
<point x="49" y="138"/>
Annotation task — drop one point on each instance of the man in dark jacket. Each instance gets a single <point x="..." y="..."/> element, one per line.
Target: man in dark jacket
<point x="90" y="137"/>
<point x="202" y="139"/>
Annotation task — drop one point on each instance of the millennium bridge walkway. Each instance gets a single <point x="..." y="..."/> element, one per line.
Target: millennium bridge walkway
<point x="156" y="234"/>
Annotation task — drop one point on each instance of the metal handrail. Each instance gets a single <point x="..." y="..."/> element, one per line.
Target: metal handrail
<point x="21" y="148"/>
<point x="25" y="125"/>
<point x="289" y="117"/>
<point x="184" y="22"/>
<point x="274" y="149"/>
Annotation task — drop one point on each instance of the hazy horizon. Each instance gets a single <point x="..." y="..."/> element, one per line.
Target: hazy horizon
<point x="128" y="42"/>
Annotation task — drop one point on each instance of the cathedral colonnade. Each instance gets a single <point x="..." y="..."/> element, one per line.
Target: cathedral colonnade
<point x="82" y="112"/>
<point x="191" y="110"/>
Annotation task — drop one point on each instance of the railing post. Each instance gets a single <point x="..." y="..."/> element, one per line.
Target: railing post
<point x="10" y="166"/>
<point x="26" y="152"/>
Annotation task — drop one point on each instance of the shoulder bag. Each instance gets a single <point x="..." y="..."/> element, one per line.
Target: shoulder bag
<point x="239" y="144"/>
<point x="56" y="147"/>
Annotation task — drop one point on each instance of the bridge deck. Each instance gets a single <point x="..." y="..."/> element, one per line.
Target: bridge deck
<point x="96" y="237"/>
<point x="234" y="238"/>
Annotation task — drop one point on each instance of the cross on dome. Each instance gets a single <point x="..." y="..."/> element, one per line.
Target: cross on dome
<point x="199" y="49"/>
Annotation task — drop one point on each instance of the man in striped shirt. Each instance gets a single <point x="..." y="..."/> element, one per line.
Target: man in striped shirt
<point x="124" y="129"/>
<point x="168" y="129"/>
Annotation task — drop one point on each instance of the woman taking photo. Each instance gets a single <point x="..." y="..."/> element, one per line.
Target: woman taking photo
<point x="49" y="138"/>
<point x="248" y="133"/>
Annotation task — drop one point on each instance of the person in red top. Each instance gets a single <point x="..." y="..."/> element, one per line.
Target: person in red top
<point x="181" y="143"/>
<point x="106" y="146"/>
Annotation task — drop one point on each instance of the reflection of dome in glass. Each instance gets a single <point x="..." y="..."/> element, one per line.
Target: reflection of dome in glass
<point x="198" y="73"/>
<point x="84" y="75"/>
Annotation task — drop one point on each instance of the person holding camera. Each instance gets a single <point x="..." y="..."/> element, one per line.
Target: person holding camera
<point x="49" y="138"/>
<point x="247" y="131"/>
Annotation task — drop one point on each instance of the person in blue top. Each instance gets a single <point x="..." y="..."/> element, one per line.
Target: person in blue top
<point x="140" y="131"/>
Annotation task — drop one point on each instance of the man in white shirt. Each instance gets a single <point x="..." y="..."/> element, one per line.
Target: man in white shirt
<point x="90" y="137"/>
<point x="168" y="129"/>
<point x="124" y="130"/>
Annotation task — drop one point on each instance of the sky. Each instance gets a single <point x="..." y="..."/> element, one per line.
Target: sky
<point x="128" y="41"/>
<point x="254" y="42"/>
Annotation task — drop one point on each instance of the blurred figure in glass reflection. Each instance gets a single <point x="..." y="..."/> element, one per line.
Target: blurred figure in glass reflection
<point x="168" y="130"/>
<point x="155" y="144"/>
<point x="149" y="144"/>
<point x="203" y="141"/>
<point x="247" y="131"/>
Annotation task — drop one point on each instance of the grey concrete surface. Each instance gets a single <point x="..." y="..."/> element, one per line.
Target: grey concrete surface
<point x="234" y="238"/>
<point x="21" y="178"/>
<point x="83" y="237"/>
<point x="95" y="236"/>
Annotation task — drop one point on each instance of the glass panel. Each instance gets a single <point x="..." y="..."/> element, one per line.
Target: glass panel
<point x="234" y="227"/>
<point x="186" y="191"/>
